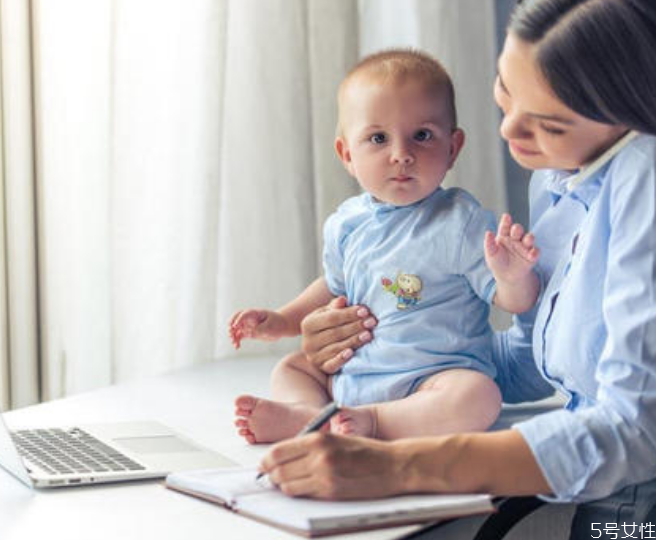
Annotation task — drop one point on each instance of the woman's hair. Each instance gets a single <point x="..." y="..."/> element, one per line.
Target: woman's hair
<point x="599" y="56"/>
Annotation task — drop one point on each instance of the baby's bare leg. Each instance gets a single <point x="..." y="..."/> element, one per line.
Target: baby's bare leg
<point x="453" y="401"/>
<point x="299" y="390"/>
<point x="295" y="380"/>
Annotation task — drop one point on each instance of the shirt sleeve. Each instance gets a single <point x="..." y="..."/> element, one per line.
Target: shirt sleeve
<point x="591" y="452"/>
<point x="472" y="256"/>
<point x="333" y="255"/>
<point x="518" y="377"/>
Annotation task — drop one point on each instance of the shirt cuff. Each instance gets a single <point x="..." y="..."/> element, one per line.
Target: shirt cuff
<point x="565" y="452"/>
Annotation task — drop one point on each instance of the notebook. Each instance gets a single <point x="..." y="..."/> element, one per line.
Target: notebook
<point x="236" y="489"/>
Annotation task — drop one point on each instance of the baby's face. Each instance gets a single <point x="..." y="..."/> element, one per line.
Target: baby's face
<point x="398" y="140"/>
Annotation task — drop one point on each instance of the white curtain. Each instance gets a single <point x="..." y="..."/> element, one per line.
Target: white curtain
<point x="19" y="366"/>
<point x="184" y="166"/>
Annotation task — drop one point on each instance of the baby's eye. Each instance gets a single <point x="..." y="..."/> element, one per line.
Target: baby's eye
<point x="423" y="135"/>
<point x="378" y="138"/>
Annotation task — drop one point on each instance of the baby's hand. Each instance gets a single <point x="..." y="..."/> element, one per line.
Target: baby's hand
<point x="256" y="324"/>
<point x="511" y="254"/>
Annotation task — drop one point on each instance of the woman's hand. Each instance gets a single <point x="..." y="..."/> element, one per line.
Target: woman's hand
<point x="333" y="332"/>
<point x="327" y="466"/>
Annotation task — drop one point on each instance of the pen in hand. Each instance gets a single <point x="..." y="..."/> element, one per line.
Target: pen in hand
<point x="315" y="424"/>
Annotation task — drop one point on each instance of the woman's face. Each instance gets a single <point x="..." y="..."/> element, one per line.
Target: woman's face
<point x="542" y="132"/>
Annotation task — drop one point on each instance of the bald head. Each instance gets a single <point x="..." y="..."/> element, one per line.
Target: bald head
<point x="397" y="67"/>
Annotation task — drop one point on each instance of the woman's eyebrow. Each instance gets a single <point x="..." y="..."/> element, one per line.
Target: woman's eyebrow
<point x="552" y="118"/>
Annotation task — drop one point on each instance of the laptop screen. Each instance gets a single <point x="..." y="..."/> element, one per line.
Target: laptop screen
<point x="9" y="458"/>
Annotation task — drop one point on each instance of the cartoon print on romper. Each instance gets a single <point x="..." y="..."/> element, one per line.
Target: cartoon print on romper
<point x="406" y="288"/>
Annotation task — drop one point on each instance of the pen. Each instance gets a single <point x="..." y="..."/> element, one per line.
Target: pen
<point x="315" y="424"/>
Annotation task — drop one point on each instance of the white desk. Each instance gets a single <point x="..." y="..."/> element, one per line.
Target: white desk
<point x="196" y="402"/>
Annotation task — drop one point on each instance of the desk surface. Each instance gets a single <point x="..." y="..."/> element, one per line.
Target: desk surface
<point x="196" y="402"/>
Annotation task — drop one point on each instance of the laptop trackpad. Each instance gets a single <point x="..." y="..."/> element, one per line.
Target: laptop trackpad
<point x="156" y="444"/>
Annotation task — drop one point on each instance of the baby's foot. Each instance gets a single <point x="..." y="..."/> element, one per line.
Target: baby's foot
<point x="263" y="421"/>
<point x="359" y="421"/>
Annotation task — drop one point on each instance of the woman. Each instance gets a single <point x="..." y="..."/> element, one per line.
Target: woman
<point x="576" y="78"/>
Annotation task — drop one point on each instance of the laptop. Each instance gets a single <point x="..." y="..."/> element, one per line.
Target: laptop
<point x="100" y="453"/>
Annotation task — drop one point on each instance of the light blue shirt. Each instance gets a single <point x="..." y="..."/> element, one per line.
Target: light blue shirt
<point x="440" y="320"/>
<point x="594" y="329"/>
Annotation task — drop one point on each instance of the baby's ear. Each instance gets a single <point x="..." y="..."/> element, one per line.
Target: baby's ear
<point x="457" y="142"/>
<point x="344" y="155"/>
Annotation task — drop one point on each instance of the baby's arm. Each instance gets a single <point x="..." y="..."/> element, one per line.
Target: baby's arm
<point x="511" y="255"/>
<point x="286" y="321"/>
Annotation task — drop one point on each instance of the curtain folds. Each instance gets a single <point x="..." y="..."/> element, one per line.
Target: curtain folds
<point x="184" y="165"/>
<point x="19" y="347"/>
<point x="279" y="179"/>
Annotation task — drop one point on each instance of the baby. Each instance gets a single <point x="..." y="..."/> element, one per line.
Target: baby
<point x="415" y="254"/>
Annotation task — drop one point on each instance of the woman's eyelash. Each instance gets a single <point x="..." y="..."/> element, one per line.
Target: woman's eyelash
<point x="501" y="85"/>
<point x="551" y="131"/>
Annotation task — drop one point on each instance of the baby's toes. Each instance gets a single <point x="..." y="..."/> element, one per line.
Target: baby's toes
<point x="242" y="423"/>
<point x="248" y="435"/>
<point x="245" y="405"/>
<point x="338" y="425"/>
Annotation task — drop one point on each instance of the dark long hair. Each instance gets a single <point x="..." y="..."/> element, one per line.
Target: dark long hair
<point x="599" y="56"/>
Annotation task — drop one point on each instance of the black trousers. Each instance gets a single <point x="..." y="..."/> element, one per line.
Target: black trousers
<point x="629" y="513"/>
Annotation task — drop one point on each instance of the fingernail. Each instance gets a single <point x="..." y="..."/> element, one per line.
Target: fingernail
<point x="364" y="336"/>
<point x="347" y="354"/>
<point x="362" y="312"/>
<point x="370" y="322"/>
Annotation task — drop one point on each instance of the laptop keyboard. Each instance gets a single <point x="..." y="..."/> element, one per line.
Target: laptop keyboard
<point x="72" y="451"/>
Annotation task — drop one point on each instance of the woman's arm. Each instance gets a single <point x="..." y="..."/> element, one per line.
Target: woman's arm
<point x="327" y="466"/>
<point x="518" y="377"/>
<point x="499" y="463"/>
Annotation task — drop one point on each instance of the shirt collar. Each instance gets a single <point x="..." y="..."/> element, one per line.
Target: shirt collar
<point x="379" y="207"/>
<point x="556" y="184"/>
<point x="586" y="192"/>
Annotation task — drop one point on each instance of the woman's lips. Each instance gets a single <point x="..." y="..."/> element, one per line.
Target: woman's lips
<point x="523" y="151"/>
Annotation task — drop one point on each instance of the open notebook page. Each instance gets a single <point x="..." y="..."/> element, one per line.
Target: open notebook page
<point x="228" y="485"/>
